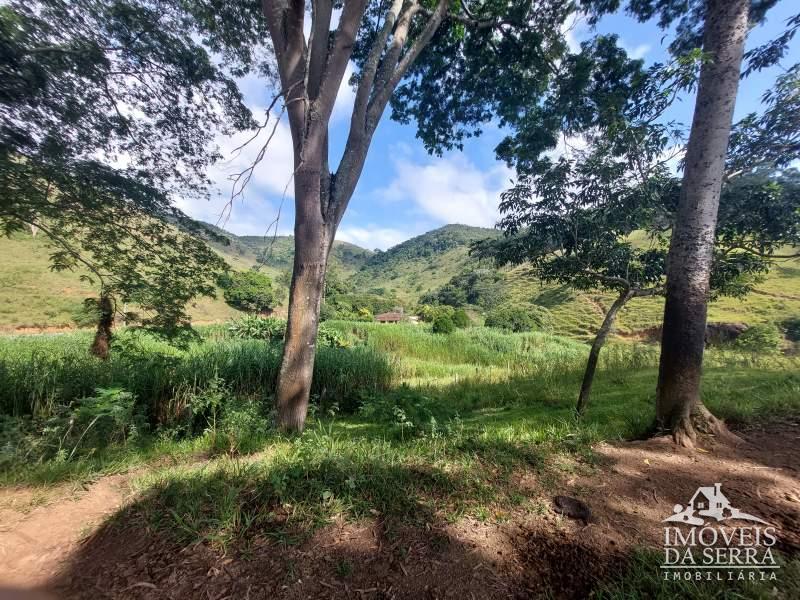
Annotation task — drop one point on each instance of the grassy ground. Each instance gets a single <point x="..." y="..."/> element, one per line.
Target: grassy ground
<point x="456" y="422"/>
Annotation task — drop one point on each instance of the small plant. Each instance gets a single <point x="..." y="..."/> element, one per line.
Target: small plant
<point x="207" y="404"/>
<point x="103" y="419"/>
<point x="760" y="339"/>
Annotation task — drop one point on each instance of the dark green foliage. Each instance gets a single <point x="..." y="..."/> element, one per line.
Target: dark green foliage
<point x="250" y="291"/>
<point x="430" y="312"/>
<point x="274" y="330"/>
<point x="85" y="82"/>
<point x="791" y="328"/>
<point x="481" y="287"/>
<point x="519" y="318"/>
<point x="762" y="338"/>
<point x="443" y="324"/>
<point x="234" y="425"/>
<point x="344" y="301"/>
<point x="449" y="295"/>
<point x="71" y="431"/>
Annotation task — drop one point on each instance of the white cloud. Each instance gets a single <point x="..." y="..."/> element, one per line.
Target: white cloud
<point x="449" y="189"/>
<point x="635" y="52"/>
<point x="568" y="146"/>
<point x="372" y="236"/>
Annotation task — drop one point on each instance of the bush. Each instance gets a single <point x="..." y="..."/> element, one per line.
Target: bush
<point x="760" y="339"/>
<point x="791" y="328"/>
<point x="274" y="330"/>
<point x="248" y="290"/>
<point x="258" y="328"/>
<point x="519" y="318"/>
<point x="243" y="428"/>
<point x="409" y="412"/>
<point x="443" y="324"/>
<point x="460" y="318"/>
<point x="87" y="425"/>
<point x="430" y="312"/>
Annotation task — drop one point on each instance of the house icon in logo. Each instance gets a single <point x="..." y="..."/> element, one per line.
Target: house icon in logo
<point x="708" y="502"/>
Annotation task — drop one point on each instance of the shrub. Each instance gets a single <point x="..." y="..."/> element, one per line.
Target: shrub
<point x="248" y="290"/>
<point x="791" y="328"/>
<point x="409" y="412"/>
<point x="443" y="324"/>
<point x="519" y="318"/>
<point x="258" y="328"/>
<point x="81" y="429"/>
<point x="460" y="318"/>
<point x="430" y="312"/>
<point x="760" y="339"/>
<point x="242" y="428"/>
<point x="274" y="330"/>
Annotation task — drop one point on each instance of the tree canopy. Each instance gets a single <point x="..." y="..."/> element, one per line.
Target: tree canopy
<point x="108" y="110"/>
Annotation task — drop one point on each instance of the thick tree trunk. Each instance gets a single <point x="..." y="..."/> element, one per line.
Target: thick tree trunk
<point x="691" y="246"/>
<point x="597" y="345"/>
<point x="313" y="238"/>
<point x="102" y="338"/>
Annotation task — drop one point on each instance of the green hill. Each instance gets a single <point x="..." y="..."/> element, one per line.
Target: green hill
<point x="31" y="295"/>
<point x="422" y="263"/>
<point x="276" y="253"/>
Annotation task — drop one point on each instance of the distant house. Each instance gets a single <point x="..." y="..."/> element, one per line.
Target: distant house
<point x="390" y="317"/>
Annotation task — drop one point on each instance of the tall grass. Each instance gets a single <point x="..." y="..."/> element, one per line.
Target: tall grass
<point x="473" y="352"/>
<point x="39" y="372"/>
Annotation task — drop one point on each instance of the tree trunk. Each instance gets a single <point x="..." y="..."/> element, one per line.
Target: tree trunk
<point x="691" y="246"/>
<point x="313" y="238"/>
<point x="102" y="338"/>
<point x="597" y="345"/>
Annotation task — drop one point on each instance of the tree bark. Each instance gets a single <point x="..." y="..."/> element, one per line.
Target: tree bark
<point x="597" y="345"/>
<point x="102" y="337"/>
<point x="311" y="74"/>
<point x="313" y="239"/>
<point x="691" y="246"/>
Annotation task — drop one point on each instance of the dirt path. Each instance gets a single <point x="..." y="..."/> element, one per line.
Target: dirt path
<point x="633" y="487"/>
<point x="39" y="529"/>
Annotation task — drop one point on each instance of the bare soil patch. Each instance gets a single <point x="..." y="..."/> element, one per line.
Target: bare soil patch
<point x="528" y="554"/>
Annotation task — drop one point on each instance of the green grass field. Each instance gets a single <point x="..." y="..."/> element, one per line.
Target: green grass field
<point x="454" y="421"/>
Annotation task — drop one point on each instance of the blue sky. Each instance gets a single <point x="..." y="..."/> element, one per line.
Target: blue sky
<point x="404" y="191"/>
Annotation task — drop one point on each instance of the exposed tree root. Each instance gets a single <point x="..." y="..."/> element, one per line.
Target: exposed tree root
<point x="686" y="430"/>
<point x="704" y="422"/>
